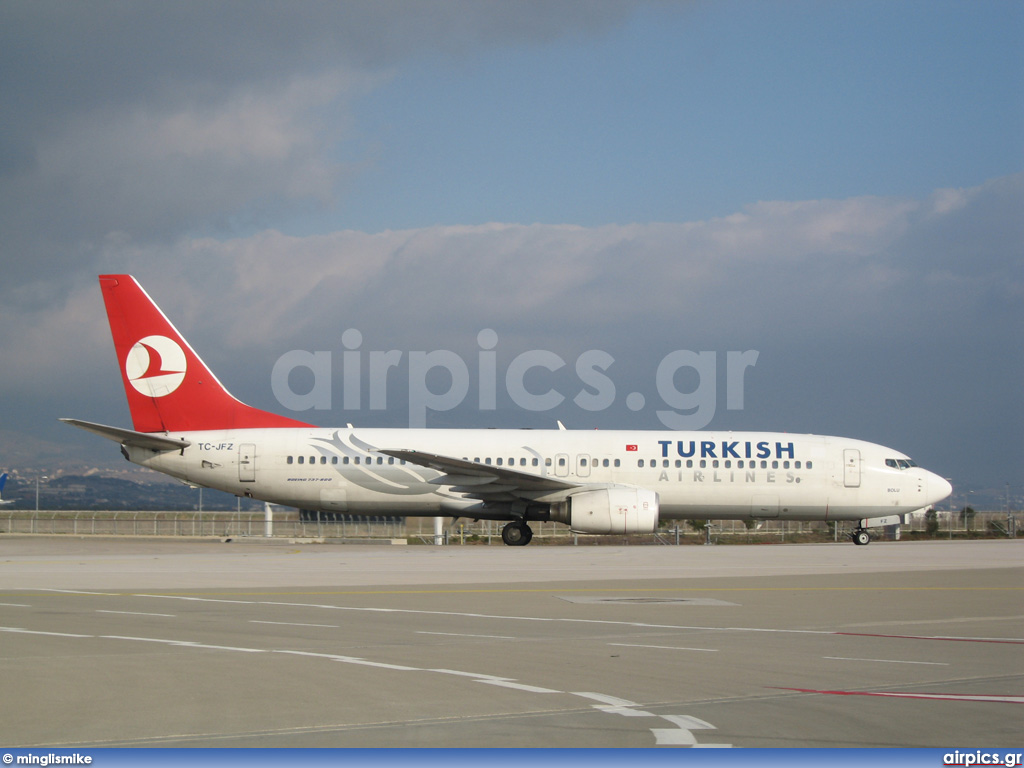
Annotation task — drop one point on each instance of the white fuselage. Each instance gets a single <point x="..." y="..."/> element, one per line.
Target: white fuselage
<point x="702" y="475"/>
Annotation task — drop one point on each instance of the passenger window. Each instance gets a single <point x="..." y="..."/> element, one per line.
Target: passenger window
<point x="775" y="465"/>
<point x="499" y="461"/>
<point x="728" y="464"/>
<point x="344" y="460"/>
<point x="679" y="463"/>
<point x="536" y="462"/>
<point x="290" y="459"/>
<point x="302" y="459"/>
<point x="810" y="465"/>
<point x="561" y="462"/>
<point x="640" y="462"/>
<point x="617" y="463"/>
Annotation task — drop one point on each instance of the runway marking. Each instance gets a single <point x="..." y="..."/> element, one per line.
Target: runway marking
<point x="932" y="696"/>
<point x="665" y="647"/>
<point x="138" y="613"/>
<point x="460" y="634"/>
<point x="961" y="620"/>
<point x="613" y="705"/>
<point x="20" y="631"/>
<point x="518" y="686"/>
<point x="294" y="624"/>
<point x="680" y="736"/>
<point x="15" y="605"/>
<point x="1005" y="640"/>
<point x="610" y="622"/>
<point x="888" y="661"/>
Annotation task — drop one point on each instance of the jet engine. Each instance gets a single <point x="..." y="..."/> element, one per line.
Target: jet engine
<point x="618" y="509"/>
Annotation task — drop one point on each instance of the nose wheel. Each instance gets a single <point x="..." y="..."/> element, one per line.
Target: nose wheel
<point x="516" y="534"/>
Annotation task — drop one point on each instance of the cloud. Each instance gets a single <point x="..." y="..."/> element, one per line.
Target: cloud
<point x="158" y="119"/>
<point x="846" y="267"/>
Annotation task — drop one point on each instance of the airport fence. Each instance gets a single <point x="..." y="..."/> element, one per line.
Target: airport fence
<point x="288" y="523"/>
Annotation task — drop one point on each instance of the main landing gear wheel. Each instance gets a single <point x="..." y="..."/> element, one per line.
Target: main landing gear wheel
<point x="516" y="534"/>
<point x="861" y="537"/>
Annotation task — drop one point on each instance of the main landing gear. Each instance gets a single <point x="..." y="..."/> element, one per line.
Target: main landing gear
<point x="516" y="534"/>
<point x="861" y="537"/>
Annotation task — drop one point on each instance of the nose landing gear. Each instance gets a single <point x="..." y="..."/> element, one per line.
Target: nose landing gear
<point x="861" y="537"/>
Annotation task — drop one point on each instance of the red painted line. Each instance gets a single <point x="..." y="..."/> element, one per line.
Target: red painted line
<point x="934" y="637"/>
<point x="931" y="696"/>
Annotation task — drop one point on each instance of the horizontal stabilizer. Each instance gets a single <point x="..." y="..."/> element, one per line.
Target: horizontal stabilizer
<point x="129" y="437"/>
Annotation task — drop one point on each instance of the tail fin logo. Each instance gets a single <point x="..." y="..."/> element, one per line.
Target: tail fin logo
<point x="155" y="366"/>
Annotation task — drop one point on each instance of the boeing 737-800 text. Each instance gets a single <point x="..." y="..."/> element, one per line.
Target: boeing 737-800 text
<point x="187" y="425"/>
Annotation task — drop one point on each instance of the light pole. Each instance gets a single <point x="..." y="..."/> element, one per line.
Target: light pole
<point x="44" y="477"/>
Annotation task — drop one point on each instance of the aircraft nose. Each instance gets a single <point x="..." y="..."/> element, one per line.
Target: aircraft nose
<point x="938" y="488"/>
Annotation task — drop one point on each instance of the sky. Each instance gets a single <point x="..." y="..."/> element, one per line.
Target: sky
<point x="787" y="216"/>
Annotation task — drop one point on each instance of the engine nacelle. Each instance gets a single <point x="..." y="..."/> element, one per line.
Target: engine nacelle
<point x="612" y="510"/>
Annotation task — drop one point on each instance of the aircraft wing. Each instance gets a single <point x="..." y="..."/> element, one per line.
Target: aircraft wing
<point x="129" y="437"/>
<point x="482" y="481"/>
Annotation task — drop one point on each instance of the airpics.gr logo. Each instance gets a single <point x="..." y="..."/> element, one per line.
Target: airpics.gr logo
<point x="155" y="366"/>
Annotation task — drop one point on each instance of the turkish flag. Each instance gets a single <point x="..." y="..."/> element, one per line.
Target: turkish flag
<point x="631" y="448"/>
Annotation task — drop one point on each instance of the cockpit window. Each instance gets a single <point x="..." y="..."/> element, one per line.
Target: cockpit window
<point x="900" y="463"/>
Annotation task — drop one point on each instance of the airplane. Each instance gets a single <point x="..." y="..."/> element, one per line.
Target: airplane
<point x="3" y="482"/>
<point x="187" y="425"/>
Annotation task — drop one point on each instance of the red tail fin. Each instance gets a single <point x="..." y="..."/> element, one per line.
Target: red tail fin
<point x="169" y="388"/>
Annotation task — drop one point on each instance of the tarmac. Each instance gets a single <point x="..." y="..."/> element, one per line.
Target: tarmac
<point x="110" y="642"/>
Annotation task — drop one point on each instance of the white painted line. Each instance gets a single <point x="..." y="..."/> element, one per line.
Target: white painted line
<point x="460" y="673"/>
<point x="20" y="631"/>
<point x="664" y="647"/>
<point x="138" y="613"/>
<point x="673" y="737"/>
<point x="223" y="647"/>
<point x="76" y="592"/>
<point x="380" y="664"/>
<point x="459" y="634"/>
<point x="517" y="686"/>
<point x="889" y="661"/>
<point x="612" y="705"/>
<point x="15" y="605"/>
<point x="192" y="599"/>
<point x="294" y="624"/>
<point x="183" y="643"/>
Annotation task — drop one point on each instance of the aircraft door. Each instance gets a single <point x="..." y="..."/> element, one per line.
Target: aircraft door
<point x="851" y="468"/>
<point x="582" y="465"/>
<point x="561" y="464"/>
<point x="246" y="463"/>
